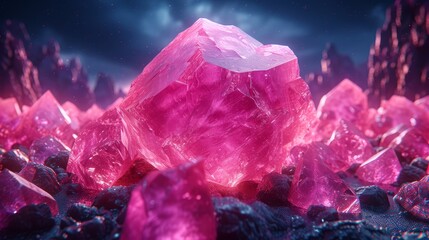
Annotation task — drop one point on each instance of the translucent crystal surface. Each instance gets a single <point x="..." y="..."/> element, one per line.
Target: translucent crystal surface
<point x="345" y="101"/>
<point x="173" y="204"/>
<point x="351" y="145"/>
<point x="315" y="184"/>
<point x="16" y="192"/>
<point x="217" y="94"/>
<point x="382" y="168"/>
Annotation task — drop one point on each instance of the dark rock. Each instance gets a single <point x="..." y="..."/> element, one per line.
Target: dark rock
<point x="420" y="163"/>
<point x="31" y="218"/>
<point x="113" y="198"/>
<point x="73" y="188"/>
<point x="59" y="160"/>
<point x="410" y="173"/>
<point x="236" y="220"/>
<point x="246" y="191"/>
<point x="320" y="213"/>
<point x="42" y="176"/>
<point x="350" y="230"/>
<point x="273" y="189"/>
<point x="94" y="229"/>
<point x="373" y="198"/>
<point x="14" y="160"/>
<point x="80" y="212"/>
<point x="67" y="222"/>
<point x="278" y="222"/>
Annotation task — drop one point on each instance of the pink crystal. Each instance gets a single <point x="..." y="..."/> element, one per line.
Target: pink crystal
<point x="9" y="120"/>
<point x="350" y="144"/>
<point x="217" y="94"/>
<point x="345" y="101"/>
<point x="382" y="168"/>
<point x="423" y="103"/>
<point x="414" y="197"/>
<point x="16" y="192"/>
<point x="45" y="117"/>
<point x="173" y="204"/>
<point x="411" y="144"/>
<point x="99" y="156"/>
<point x="315" y="184"/>
<point x="391" y="134"/>
<point x="45" y="147"/>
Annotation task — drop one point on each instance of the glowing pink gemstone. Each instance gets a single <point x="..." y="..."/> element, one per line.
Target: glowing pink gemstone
<point x="46" y="117"/>
<point x="315" y="184"/>
<point x="99" y="155"/>
<point x="345" y="101"/>
<point x="382" y="168"/>
<point x="16" y="192"/>
<point x="390" y="135"/>
<point x="45" y="147"/>
<point x="423" y="103"/>
<point x="414" y="197"/>
<point x="350" y="144"/>
<point x="9" y="120"/>
<point x="173" y="204"/>
<point x="217" y="94"/>
<point x="79" y="118"/>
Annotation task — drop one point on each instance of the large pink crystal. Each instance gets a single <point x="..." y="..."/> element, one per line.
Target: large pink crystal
<point x="315" y="184"/>
<point x="16" y="192"/>
<point x="346" y="101"/>
<point x="217" y="94"/>
<point x="414" y="197"/>
<point x="99" y="156"/>
<point x="174" y="204"/>
<point x="411" y="144"/>
<point x="382" y="168"/>
<point x="9" y="120"/>
<point x="350" y="144"/>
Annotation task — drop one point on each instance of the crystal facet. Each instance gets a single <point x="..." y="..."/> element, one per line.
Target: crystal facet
<point x="346" y="101"/>
<point x="382" y="168"/>
<point x="315" y="184"/>
<point x="350" y="144"/>
<point x="173" y="204"/>
<point x="16" y="192"/>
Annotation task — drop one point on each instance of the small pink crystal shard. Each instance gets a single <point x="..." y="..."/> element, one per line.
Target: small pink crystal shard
<point x="45" y="147"/>
<point x="350" y="144"/>
<point x="382" y="168"/>
<point x="345" y="101"/>
<point x="173" y="204"/>
<point x="217" y="94"/>
<point x="46" y="117"/>
<point x="16" y="192"/>
<point x="99" y="156"/>
<point x="315" y="184"/>
<point x="414" y="197"/>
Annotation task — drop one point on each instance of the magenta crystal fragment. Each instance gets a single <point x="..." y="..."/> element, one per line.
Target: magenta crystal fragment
<point x="16" y="192"/>
<point x="173" y="204"/>
<point x="346" y="101"/>
<point x="414" y="197"/>
<point x="423" y="103"/>
<point x="382" y="168"/>
<point x="315" y="184"/>
<point x="99" y="155"/>
<point x="45" y="147"/>
<point x="9" y="120"/>
<point x="350" y="144"/>
<point x="45" y="117"/>
<point x="411" y="144"/>
<point x="217" y="94"/>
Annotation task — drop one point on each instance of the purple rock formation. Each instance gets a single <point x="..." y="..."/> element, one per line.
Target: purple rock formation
<point x="104" y="91"/>
<point x="18" y="76"/>
<point x="398" y="62"/>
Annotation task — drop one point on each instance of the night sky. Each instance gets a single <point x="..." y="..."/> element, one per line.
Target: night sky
<point x="121" y="37"/>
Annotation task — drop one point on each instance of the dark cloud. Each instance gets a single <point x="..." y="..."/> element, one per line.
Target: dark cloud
<point x="120" y="37"/>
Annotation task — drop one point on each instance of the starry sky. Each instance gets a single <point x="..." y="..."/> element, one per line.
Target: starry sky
<point x="121" y="37"/>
